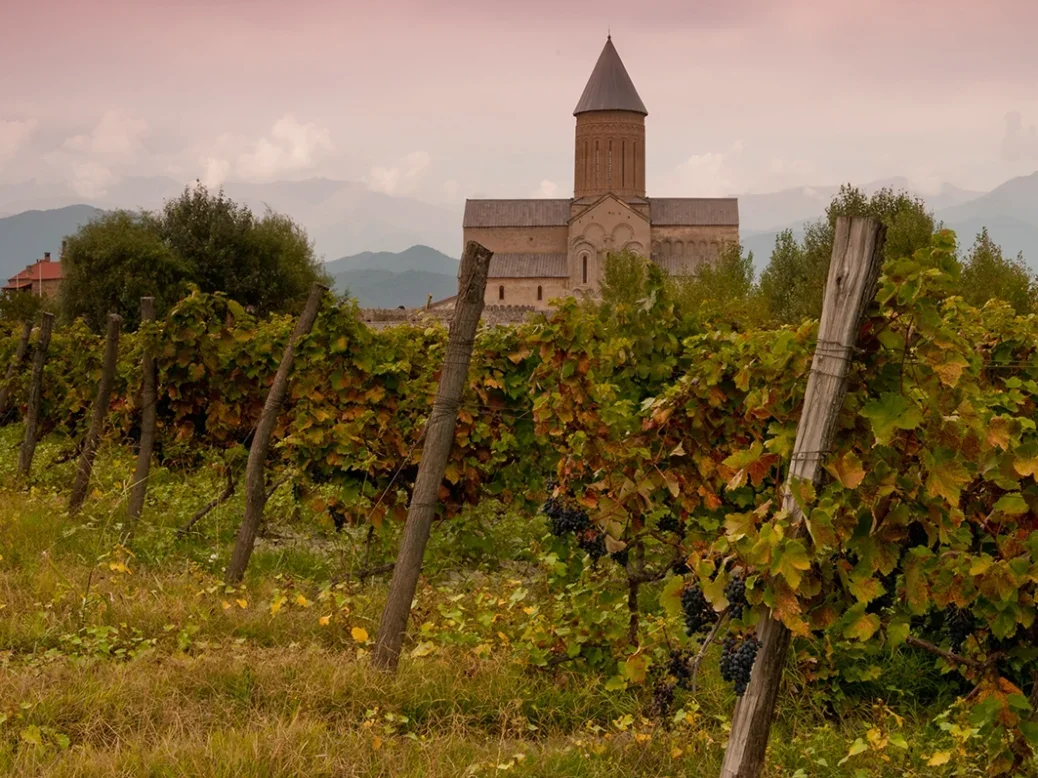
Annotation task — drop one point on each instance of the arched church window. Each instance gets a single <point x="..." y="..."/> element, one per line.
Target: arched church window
<point x="609" y="181"/>
<point x="540" y="294"/>
<point x="501" y="293"/>
<point x="583" y="268"/>
<point x="598" y="177"/>
<point x="679" y="248"/>
<point x="623" y="163"/>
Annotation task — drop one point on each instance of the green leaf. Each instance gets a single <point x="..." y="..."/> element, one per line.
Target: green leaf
<point x="861" y="626"/>
<point x="889" y="413"/>
<point x="790" y="561"/>
<point x="1012" y="504"/>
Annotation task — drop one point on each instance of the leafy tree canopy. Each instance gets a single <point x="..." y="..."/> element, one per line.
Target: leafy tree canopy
<point x="201" y="239"/>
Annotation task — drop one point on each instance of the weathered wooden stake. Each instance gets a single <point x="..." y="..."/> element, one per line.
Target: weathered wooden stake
<point x="32" y="411"/>
<point x="851" y="285"/>
<point x="149" y="399"/>
<point x="439" y="437"/>
<point x="16" y="363"/>
<point x="255" y="491"/>
<point x="97" y="418"/>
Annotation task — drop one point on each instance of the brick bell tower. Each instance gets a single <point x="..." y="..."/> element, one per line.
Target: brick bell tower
<point x="610" y="138"/>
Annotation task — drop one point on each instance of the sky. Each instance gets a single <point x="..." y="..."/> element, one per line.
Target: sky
<point x="474" y="98"/>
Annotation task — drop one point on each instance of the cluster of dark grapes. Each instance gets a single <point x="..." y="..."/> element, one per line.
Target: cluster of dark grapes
<point x="735" y="591"/>
<point x="887" y="599"/>
<point x="680" y="667"/>
<point x="737" y="658"/>
<point x="621" y="556"/>
<point x="698" y="613"/>
<point x="565" y="519"/>
<point x="662" y="699"/>
<point x="680" y="566"/>
<point x="669" y="523"/>
<point x="593" y="542"/>
<point x="959" y="624"/>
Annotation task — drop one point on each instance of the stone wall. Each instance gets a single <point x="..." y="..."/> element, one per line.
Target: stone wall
<point x="702" y="244"/>
<point x="523" y="291"/>
<point x="520" y="240"/>
<point x="492" y="315"/>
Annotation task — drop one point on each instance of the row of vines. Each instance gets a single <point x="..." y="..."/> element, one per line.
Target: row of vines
<point x="657" y="444"/>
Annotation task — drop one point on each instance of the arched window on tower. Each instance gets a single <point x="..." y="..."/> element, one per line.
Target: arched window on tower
<point x="623" y="163"/>
<point x="609" y="180"/>
<point x="598" y="177"/>
<point x="501" y="293"/>
<point x="583" y="269"/>
<point x="540" y="294"/>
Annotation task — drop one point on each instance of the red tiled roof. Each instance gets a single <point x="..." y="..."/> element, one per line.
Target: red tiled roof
<point x="41" y="270"/>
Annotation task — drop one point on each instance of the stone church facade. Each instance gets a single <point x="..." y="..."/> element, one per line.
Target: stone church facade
<point x="549" y="248"/>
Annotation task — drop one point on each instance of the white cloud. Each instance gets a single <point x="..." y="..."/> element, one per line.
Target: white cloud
<point x="216" y="171"/>
<point x="14" y="135"/>
<point x="90" y="178"/>
<point x="702" y="175"/>
<point x="402" y="178"/>
<point x="115" y="138"/>
<point x="452" y="190"/>
<point x="547" y="189"/>
<point x="291" y="147"/>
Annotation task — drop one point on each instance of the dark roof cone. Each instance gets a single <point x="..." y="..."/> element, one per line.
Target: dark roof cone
<point x="610" y="88"/>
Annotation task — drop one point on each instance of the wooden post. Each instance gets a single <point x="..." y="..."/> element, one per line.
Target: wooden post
<point x="32" y="411"/>
<point x="16" y="363"/>
<point x="439" y="437"/>
<point x="851" y="285"/>
<point x="149" y="399"/>
<point x="97" y="418"/>
<point x="255" y="491"/>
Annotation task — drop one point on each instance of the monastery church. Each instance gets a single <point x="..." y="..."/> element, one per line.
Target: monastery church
<point x="545" y="249"/>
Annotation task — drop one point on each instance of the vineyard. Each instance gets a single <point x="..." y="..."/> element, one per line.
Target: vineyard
<point x="610" y="537"/>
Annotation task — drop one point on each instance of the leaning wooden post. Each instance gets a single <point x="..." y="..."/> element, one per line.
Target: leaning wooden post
<point x="439" y="437"/>
<point x="851" y="285"/>
<point x="32" y="411"/>
<point x="16" y="363"/>
<point x="149" y="399"/>
<point x="97" y="418"/>
<point x="255" y="490"/>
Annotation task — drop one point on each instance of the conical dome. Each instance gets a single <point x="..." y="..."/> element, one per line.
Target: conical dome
<point x="610" y="88"/>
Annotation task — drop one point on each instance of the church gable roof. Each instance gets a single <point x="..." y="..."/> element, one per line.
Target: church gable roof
<point x="610" y="87"/>
<point x="528" y="266"/>
<point x="516" y="213"/>
<point x="588" y="204"/>
<point x="694" y="211"/>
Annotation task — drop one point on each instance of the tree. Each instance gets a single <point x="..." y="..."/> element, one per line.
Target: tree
<point x="18" y="305"/>
<point x="987" y="274"/>
<point x="794" y="281"/>
<point x="267" y="263"/>
<point x="725" y="287"/>
<point x="623" y="278"/>
<point x="113" y="261"/>
<point x="199" y="238"/>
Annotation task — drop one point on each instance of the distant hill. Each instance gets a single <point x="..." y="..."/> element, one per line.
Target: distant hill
<point x="386" y="279"/>
<point x="25" y="237"/>
<point x="417" y="257"/>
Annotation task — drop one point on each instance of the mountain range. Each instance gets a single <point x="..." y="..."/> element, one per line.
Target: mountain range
<point x="396" y="250"/>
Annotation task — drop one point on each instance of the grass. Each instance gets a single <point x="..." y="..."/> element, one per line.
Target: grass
<point x="143" y="664"/>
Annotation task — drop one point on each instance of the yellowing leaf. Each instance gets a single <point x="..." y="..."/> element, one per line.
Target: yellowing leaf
<point x="636" y="667"/>
<point x="118" y="567"/>
<point x="422" y="649"/>
<point x="939" y="758"/>
<point x="376" y="742"/>
<point x="226" y="605"/>
<point x="301" y="600"/>
<point x="359" y="634"/>
<point x="889" y="413"/>
<point x="324" y="621"/>
<point x="243" y="604"/>
<point x="790" y="561"/>
<point x="275" y="606"/>
<point x="847" y="470"/>
<point x="863" y="625"/>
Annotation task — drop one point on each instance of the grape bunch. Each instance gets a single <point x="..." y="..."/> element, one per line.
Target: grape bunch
<point x="959" y="624"/>
<point x="593" y="542"/>
<point x="680" y="667"/>
<point x="621" y="556"/>
<point x="565" y="518"/>
<point x="735" y="591"/>
<point x="669" y="523"/>
<point x="680" y="566"/>
<point x="698" y="613"/>
<point x="737" y="658"/>
<point x="662" y="699"/>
